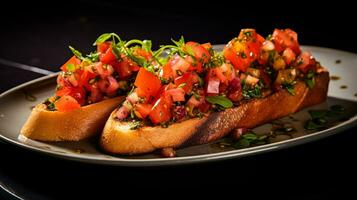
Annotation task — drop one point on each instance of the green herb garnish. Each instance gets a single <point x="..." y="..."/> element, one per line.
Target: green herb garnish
<point x="104" y="37"/>
<point x="220" y="100"/>
<point x="77" y="53"/>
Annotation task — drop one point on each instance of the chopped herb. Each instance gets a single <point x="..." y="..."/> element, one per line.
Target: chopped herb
<point x="269" y="37"/>
<point x="248" y="33"/>
<point x="242" y="55"/>
<point x="94" y="57"/>
<point x="76" y="53"/>
<point x="104" y="37"/>
<point x="242" y="143"/>
<point x="182" y="85"/>
<point x="319" y="117"/>
<point x="317" y="113"/>
<point x="134" y="125"/>
<point x="338" y="61"/>
<point x="220" y="100"/>
<point x="71" y="67"/>
<point x="250" y="136"/>
<point x="311" y="125"/>
<point x="334" y="78"/>
<point x="289" y="87"/>
<point x="200" y="81"/>
<point x="343" y="86"/>
<point x="164" y="81"/>
<point x="249" y="93"/>
<point x="146" y="45"/>
<point x="310" y="80"/>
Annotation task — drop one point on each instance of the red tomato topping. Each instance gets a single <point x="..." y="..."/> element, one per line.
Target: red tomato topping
<point x="186" y="81"/>
<point x="66" y="103"/>
<point x="245" y="49"/>
<point x="286" y="39"/>
<point x="143" y="109"/>
<point x="148" y="84"/>
<point x="161" y="111"/>
<point x="107" y="57"/>
<point x="306" y="62"/>
<point x="73" y="60"/>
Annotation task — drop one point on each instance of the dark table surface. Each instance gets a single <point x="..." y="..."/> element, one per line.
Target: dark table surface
<point x="321" y="169"/>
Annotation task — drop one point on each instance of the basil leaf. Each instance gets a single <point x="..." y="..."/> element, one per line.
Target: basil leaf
<point x="250" y="136"/>
<point x="310" y="125"/>
<point x="242" y="143"/>
<point x="147" y="45"/>
<point x="220" y="100"/>
<point x="317" y="113"/>
<point x="76" y="53"/>
<point x="102" y="38"/>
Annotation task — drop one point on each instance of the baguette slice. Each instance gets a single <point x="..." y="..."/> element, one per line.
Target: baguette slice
<point x="117" y="137"/>
<point x="74" y="125"/>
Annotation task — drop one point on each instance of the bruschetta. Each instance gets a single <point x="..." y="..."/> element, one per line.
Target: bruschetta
<point x="197" y="95"/>
<point x="88" y="89"/>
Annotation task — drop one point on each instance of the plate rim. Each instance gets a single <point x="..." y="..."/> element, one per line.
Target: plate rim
<point x="238" y="153"/>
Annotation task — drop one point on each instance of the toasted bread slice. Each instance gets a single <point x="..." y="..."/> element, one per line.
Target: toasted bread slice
<point x="74" y="125"/>
<point x="117" y="137"/>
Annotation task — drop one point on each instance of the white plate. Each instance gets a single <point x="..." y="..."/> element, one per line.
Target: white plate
<point x="15" y="108"/>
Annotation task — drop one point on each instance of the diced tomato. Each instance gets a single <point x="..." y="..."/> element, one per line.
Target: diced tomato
<point x="113" y="86"/>
<point x="66" y="103"/>
<point x="207" y="46"/>
<point x="194" y="101"/>
<point x="76" y="92"/>
<point x="177" y="94"/>
<point x="199" y="52"/>
<point x="143" y="109"/>
<point x="103" y="70"/>
<point x="161" y="112"/>
<point x="305" y="62"/>
<point x="204" y="106"/>
<point x="142" y="53"/>
<point x="243" y="51"/>
<point x="212" y="86"/>
<point x="147" y="83"/>
<point x="73" y="60"/>
<point x="167" y="72"/>
<point x="123" y="68"/>
<point x="103" y="47"/>
<point x="289" y="56"/>
<point x="179" y="64"/>
<point x="187" y="80"/>
<point x="195" y="66"/>
<point x="95" y="95"/>
<point x="108" y="57"/>
<point x="286" y="39"/>
<point x="84" y="77"/>
<point x="224" y="72"/>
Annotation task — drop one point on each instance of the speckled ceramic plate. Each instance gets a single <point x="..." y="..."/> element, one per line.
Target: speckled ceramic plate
<point x="16" y="104"/>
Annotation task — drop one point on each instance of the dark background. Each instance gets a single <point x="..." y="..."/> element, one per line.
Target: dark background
<point x="38" y="34"/>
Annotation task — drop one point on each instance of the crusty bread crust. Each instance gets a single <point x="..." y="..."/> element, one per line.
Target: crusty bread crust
<point x="117" y="137"/>
<point x="74" y="125"/>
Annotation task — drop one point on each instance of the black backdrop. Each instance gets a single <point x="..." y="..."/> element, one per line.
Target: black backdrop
<point x="38" y="33"/>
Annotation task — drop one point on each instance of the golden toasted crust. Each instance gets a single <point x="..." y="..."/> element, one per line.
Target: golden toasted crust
<point x="119" y="139"/>
<point x="74" y="125"/>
